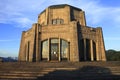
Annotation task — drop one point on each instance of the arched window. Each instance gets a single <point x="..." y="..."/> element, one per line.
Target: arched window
<point x="64" y="49"/>
<point x="45" y="51"/>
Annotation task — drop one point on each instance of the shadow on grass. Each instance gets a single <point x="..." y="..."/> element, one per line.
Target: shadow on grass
<point x="83" y="73"/>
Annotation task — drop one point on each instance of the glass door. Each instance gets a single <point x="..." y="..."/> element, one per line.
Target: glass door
<point x="54" y="51"/>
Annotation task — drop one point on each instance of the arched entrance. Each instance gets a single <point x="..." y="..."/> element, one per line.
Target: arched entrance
<point x="55" y="49"/>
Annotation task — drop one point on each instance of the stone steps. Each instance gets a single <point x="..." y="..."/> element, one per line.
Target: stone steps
<point x="55" y="77"/>
<point x="17" y="77"/>
<point x="23" y="74"/>
<point x="61" y="64"/>
<point x="29" y="75"/>
<point x="60" y="71"/>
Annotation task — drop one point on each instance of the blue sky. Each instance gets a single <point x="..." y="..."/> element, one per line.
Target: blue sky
<point x="19" y="15"/>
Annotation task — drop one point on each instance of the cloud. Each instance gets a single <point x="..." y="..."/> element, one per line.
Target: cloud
<point x="96" y="13"/>
<point x="22" y="13"/>
<point x="23" y="21"/>
<point x="8" y="40"/>
<point x="19" y="13"/>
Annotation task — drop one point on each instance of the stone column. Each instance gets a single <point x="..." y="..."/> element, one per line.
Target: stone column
<point x="59" y="50"/>
<point x="91" y="50"/>
<point x="85" y="49"/>
<point x="48" y="49"/>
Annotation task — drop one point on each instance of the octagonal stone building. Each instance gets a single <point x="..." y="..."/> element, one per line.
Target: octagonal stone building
<point x="61" y="34"/>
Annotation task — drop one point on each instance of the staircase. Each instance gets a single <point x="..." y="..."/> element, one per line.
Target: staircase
<point x="60" y="71"/>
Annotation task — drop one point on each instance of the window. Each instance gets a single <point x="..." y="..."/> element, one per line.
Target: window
<point x="54" y="41"/>
<point x="64" y="49"/>
<point x="45" y="52"/>
<point x="57" y="21"/>
<point x="92" y="30"/>
<point x="61" y="21"/>
<point x="54" y="21"/>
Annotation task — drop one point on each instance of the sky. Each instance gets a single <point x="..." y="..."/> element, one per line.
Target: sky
<point x="19" y="15"/>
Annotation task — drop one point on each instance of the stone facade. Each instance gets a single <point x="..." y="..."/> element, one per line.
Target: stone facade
<point x="61" y="34"/>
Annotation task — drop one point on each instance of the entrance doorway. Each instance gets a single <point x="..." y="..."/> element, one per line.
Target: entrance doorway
<point x="54" y="51"/>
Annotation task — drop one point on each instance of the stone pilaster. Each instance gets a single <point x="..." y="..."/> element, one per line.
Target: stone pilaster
<point x="22" y="53"/>
<point x="98" y="55"/>
<point x="82" y="19"/>
<point x="38" y="44"/>
<point x="59" y="50"/>
<point x="103" y="55"/>
<point x="91" y="50"/>
<point x="74" y="56"/>
<point x="48" y="49"/>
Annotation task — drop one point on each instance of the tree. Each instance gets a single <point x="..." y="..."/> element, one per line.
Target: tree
<point x="113" y="55"/>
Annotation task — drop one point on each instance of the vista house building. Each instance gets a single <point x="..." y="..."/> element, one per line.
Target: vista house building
<point x="61" y="34"/>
